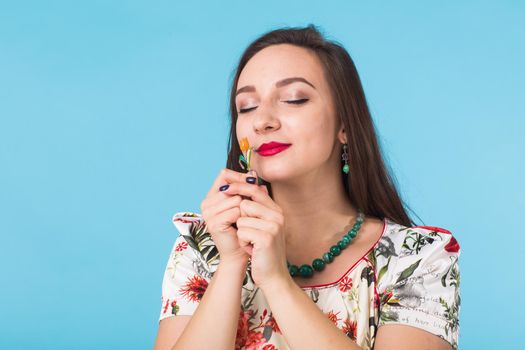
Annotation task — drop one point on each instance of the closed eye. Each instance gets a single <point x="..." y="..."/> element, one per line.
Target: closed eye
<point x="298" y="102"/>
<point x="246" y="110"/>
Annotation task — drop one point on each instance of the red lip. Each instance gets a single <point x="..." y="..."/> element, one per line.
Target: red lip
<point x="269" y="149"/>
<point x="270" y="145"/>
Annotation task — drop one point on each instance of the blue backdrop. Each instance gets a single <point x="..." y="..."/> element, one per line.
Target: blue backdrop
<point x="114" y="116"/>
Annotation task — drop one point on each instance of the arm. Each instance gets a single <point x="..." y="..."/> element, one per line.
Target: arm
<point x="214" y="323"/>
<point x="290" y="303"/>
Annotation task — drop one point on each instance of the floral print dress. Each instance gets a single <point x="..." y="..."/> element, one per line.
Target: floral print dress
<point x="410" y="277"/>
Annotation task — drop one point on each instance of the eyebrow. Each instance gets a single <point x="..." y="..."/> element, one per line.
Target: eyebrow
<point x="280" y="83"/>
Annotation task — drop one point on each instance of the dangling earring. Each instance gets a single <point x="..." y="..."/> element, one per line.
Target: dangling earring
<point x="346" y="168"/>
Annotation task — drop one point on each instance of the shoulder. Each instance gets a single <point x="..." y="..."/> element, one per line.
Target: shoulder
<point x="404" y="251"/>
<point x="192" y="228"/>
<point x="419" y="280"/>
<point x="399" y="240"/>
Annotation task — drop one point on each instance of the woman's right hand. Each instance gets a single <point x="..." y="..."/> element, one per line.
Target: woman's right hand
<point x="220" y="211"/>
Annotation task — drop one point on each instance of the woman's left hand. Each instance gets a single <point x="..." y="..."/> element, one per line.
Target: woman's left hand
<point x="261" y="224"/>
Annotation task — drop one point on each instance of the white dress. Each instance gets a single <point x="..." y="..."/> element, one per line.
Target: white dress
<point x="409" y="276"/>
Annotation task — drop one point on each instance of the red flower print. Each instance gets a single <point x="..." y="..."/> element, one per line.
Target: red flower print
<point x="181" y="246"/>
<point x="194" y="288"/>
<point x="242" y="329"/>
<point x="269" y="347"/>
<point x="273" y="323"/>
<point x="174" y="307"/>
<point x="452" y="246"/>
<point x="433" y="228"/>
<point x="186" y="221"/>
<point x="385" y="297"/>
<point x="166" y="306"/>
<point x="254" y="340"/>
<point x="345" y="284"/>
<point x="333" y="317"/>
<point x="350" y="329"/>
<point x="377" y="302"/>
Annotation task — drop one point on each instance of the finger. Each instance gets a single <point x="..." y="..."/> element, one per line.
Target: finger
<point x="252" y="238"/>
<point x="219" y="196"/>
<point x="227" y="218"/>
<point x="226" y="176"/>
<point x="251" y="209"/>
<point x="215" y="196"/>
<point x="245" y="243"/>
<point x="217" y="203"/>
<point x="256" y="193"/>
<point x="255" y="223"/>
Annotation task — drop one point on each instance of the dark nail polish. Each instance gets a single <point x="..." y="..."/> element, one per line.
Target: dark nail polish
<point x="224" y="187"/>
<point x="251" y="179"/>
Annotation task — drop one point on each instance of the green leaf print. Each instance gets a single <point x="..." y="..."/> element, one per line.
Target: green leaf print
<point x="372" y="257"/>
<point x="200" y="240"/>
<point x="415" y="241"/>
<point x="408" y="271"/>
<point x="383" y="270"/>
<point x="389" y="315"/>
<point x="454" y="274"/>
<point x="451" y="315"/>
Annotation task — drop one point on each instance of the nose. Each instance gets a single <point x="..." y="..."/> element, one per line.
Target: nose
<point x="265" y="120"/>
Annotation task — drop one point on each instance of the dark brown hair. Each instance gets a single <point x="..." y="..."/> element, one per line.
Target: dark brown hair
<point x="369" y="185"/>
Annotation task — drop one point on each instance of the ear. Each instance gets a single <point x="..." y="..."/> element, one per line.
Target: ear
<point x="341" y="135"/>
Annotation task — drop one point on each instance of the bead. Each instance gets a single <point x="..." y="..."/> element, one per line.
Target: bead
<point x="346" y="169"/>
<point x="306" y="271"/>
<point x="293" y="269"/>
<point x="328" y="257"/>
<point x="335" y="250"/>
<point x="318" y="264"/>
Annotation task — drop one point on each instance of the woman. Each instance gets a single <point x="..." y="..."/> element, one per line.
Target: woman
<point x="312" y="249"/>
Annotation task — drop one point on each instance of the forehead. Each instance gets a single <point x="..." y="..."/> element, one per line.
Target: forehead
<point x="281" y="61"/>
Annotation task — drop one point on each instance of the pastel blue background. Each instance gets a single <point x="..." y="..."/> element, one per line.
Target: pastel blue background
<point x="114" y="115"/>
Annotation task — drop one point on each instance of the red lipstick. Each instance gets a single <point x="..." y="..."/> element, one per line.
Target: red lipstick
<point x="271" y="148"/>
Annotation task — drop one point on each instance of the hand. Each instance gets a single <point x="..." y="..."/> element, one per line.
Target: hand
<point x="260" y="233"/>
<point x="220" y="210"/>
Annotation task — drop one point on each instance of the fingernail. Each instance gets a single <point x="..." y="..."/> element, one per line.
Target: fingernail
<point x="251" y="179"/>
<point x="224" y="187"/>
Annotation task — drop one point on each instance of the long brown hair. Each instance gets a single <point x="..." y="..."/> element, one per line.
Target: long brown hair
<point x="369" y="185"/>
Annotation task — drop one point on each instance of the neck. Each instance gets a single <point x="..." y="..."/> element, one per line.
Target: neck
<point x="315" y="207"/>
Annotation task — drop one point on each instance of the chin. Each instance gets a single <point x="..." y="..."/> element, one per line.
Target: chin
<point x="275" y="173"/>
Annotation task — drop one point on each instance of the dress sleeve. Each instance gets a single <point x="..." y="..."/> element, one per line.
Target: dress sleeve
<point x="421" y="282"/>
<point x="185" y="280"/>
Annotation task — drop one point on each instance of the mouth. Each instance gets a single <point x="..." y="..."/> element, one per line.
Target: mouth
<point x="269" y="149"/>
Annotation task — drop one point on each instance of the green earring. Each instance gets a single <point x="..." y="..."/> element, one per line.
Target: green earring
<point x="346" y="168"/>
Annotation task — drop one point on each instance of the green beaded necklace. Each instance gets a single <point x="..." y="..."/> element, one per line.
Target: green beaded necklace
<point x="307" y="271"/>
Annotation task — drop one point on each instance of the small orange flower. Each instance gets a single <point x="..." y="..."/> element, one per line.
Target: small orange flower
<point x="244" y="144"/>
<point x="245" y="158"/>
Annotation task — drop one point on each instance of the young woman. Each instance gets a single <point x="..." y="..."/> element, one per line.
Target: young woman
<point x="313" y="248"/>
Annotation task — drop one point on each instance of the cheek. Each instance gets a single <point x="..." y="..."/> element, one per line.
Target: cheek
<point x="314" y="127"/>
<point x="240" y="129"/>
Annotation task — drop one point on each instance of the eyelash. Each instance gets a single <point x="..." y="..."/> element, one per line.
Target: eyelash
<point x="296" y="102"/>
